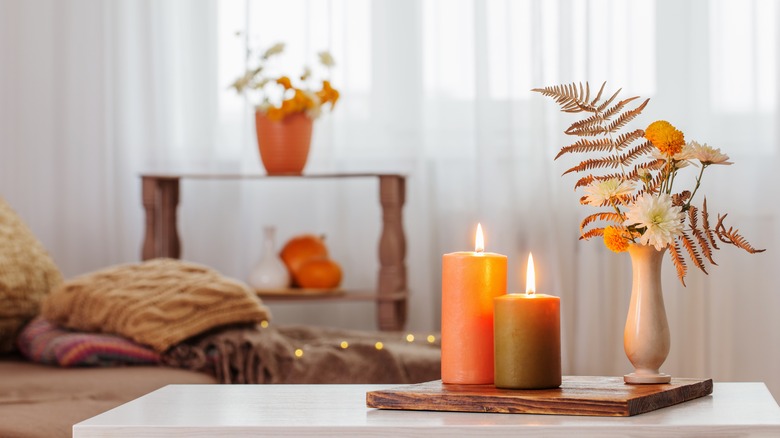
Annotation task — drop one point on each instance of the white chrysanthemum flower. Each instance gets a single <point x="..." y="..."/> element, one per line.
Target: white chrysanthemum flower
<point x="662" y="221"/>
<point x="599" y="192"/>
<point x="327" y="59"/>
<point x="681" y="159"/>
<point x="707" y="154"/>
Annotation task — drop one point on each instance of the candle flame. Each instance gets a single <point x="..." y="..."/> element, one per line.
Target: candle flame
<point x="479" y="245"/>
<point x="530" y="277"/>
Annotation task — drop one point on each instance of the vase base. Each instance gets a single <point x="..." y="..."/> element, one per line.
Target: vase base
<point x="644" y="379"/>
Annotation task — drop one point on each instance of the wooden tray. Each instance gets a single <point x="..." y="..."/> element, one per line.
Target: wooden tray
<point x="578" y="395"/>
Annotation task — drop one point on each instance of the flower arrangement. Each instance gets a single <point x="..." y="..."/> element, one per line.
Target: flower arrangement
<point x="281" y="95"/>
<point x="636" y="185"/>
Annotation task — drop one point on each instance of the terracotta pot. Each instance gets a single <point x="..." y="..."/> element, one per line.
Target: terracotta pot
<point x="646" y="338"/>
<point x="284" y="144"/>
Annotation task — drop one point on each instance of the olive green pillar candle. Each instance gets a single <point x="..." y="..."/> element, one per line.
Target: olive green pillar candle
<point x="527" y="341"/>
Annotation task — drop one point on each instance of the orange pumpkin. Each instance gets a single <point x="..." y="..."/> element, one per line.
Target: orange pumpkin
<point x="301" y="249"/>
<point x="319" y="273"/>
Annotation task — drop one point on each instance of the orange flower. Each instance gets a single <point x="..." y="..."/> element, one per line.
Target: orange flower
<point x="328" y="94"/>
<point x="274" y="114"/>
<point x="305" y="101"/>
<point x="614" y="239"/>
<point x="298" y="103"/>
<point x="284" y="81"/>
<point x="665" y="137"/>
<point x="288" y="107"/>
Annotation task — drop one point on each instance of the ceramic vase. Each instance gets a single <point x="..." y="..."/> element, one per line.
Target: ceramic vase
<point x="284" y="144"/>
<point x="270" y="272"/>
<point x="646" y="338"/>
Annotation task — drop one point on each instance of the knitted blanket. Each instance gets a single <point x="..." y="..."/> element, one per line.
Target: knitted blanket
<point x="158" y="302"/>
<point x="304" y="354"/>
<point x="202" y="321"/>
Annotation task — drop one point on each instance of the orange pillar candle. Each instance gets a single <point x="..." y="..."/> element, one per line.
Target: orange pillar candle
<point x="470" y="282"/>
<point x="528" y="339"/>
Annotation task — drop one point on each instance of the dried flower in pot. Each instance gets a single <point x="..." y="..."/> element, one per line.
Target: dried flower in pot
<point x="286" y="109"/>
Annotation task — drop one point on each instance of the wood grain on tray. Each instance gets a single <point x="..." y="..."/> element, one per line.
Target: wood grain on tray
<point x="578" y="395"/>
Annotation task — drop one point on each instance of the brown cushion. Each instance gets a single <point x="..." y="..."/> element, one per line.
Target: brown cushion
<point x="27" y="274"/>
<point x="158" y="303"/>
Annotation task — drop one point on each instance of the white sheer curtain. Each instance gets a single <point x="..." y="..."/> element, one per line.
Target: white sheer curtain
<point x="95" y="92"/>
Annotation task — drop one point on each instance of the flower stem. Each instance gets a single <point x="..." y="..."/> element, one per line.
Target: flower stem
<point x="671" y="179"/>
<point x="666" y="185"/>
<point x="698" y="183"/>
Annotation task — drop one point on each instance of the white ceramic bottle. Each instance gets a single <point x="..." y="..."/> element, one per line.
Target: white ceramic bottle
<point x="270" y="272"/>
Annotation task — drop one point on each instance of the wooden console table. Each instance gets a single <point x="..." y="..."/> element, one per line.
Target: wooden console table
<point x="161" y="198"/>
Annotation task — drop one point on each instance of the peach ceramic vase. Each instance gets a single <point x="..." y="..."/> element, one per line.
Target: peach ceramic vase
<point x="646" y="338"/>
<point x="284" y="144"/>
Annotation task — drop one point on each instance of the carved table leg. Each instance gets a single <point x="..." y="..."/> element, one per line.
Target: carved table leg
<point x="391" y="313"/>
<point x="160" y="199"/>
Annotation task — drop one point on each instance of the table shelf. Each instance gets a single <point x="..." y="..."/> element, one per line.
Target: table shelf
<point x="294" y="294"/>
<point x="160" y="196"/>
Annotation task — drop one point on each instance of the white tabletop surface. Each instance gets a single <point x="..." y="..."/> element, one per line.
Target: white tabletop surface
<point x="733" y="409"/>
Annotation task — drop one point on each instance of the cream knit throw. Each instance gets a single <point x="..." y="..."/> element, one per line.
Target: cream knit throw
<point x="159" y="302"/>
<point x="27" y="274"/>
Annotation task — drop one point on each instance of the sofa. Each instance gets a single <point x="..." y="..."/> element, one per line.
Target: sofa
<point x="73" y="348"/>
<point x="39" y="400"/>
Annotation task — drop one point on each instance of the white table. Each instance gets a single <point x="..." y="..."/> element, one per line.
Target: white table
<point x="733" y="409"/>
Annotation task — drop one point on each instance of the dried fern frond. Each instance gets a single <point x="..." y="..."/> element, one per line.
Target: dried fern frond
<point x="733" y="237"/>
<point x="588" y="131"/>
<point x="678" y="261"/>
<point x="607" y="102"/>
<point x="656" y="164"/>
<point x="571" y="97"/>
<point x="595" y="163"/>
<point x="595" y="120"/>
<point x="709" y="232"/>
<point x="632" y="175"/>
<point x="692" y="252"/>
<point x="626" y="139"/>
<point x="627" y="117"/>
<point x="634" y="153"/>
<point x="609" y="216"/>
<point x="585" y="146"/>
<point x="617" y="108"/>
<point x="693" y="219"/>
<point x="613" y="160"/>
<point x="596" y="232"/>
<point x="585" y="181"/>
<point x="678" y="199"/>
